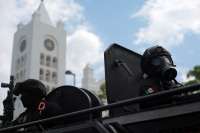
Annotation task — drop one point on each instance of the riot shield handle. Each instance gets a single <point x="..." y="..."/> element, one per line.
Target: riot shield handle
<point x="120" y="62"/>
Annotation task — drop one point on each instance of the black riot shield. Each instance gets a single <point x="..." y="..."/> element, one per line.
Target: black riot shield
<point x="71" y="99"/>
<point x="123" y="76"/>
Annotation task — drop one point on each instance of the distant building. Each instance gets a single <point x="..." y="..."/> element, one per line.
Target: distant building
<point x="39" y="52"/>
<point x="89" y="81"/>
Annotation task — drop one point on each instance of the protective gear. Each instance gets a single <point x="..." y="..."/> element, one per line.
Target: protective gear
<point x="31" y="86"/>
<point x="31" y="90"/>
<point x="156" y="61"/>
<point x="33" y="114"/>
<point x="152" y="85"/>
<point x="29" y="100"/>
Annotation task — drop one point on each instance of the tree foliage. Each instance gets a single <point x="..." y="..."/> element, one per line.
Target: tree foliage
<point x="102" y="96"/>
<point x="102" y="93"/>
<point x="0" y="124"/>
<point x="193" y="73"/>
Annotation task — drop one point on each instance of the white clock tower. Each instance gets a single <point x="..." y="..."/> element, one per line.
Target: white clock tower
<point x="39" y="52"/>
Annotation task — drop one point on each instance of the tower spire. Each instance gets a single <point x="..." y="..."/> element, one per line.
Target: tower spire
<point x="44" y="16"/>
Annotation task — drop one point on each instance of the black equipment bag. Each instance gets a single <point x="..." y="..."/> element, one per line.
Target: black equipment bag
<point x="71" y="99"/>
<point x="123" y="76"/>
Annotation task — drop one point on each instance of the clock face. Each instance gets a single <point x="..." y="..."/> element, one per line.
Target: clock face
<point x="48" y="44"/>
<point x="23" y="46"/>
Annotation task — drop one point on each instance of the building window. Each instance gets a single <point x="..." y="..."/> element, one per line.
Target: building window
<point x="42" y="59"/>
<point x="48" y="61"/>
<point x="18" y="64"/>
<point x="55" y="62"/>
<point x="25" y="60"/>
<point x="54" y="77"/>
<point x="21" y="74"/>
<point x="22" y="61"/>
<point x="41" y="74"/>
<point x="48" y="75"/>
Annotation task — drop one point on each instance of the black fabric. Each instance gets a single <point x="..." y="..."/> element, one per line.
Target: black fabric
<point x="29" y="100"/>
<point x="158" y="85"/>
<point x="33" y="114"/>
<point x="30" y="86"/>
<point x="52" y="110"/>
<point x="17" y="89"/>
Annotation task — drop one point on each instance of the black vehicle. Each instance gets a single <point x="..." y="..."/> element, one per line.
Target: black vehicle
<point x="123" y="77"/>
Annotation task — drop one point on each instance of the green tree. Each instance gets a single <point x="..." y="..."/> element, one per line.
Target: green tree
<point x="193" y="73"/>
<point x="102" y="94"/>
<point x="0" y="124"/>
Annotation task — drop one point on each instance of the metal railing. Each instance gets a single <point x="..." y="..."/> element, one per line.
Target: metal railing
<point x="109" y="106"/>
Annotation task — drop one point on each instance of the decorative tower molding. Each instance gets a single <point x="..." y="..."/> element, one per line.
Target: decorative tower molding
<point x="20" y="25"/>
<point x="44" y="18"/>
<point x="36" y="15"/>
<point x="88" y="81"/>
<point x="60" y="24"/>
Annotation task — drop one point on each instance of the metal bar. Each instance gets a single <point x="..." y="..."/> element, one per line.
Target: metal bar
<point x="111" y="106"/>
<point x="71" y="128"/>
<point x="99" y="127"/>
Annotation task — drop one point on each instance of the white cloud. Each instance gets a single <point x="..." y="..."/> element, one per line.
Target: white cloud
<point x="68" y="10"/>
<point x="83" y="47"/>
<point x="168" y="21"/>
<point x="183" y="74"/>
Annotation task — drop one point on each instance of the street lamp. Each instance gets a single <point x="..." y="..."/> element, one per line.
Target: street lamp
<point x="70" y="73"/>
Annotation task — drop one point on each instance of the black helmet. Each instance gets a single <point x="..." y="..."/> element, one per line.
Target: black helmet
<point x="158" y="61"/>
<point x="30" y="86"/>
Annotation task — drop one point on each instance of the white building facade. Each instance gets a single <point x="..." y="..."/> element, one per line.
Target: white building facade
<point x="39" y="52"/>
<point x="88" y="81"/>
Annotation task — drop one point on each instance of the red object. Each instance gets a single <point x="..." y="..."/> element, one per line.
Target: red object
<point x="41" y="106"/>
<point x="153" y="89"/>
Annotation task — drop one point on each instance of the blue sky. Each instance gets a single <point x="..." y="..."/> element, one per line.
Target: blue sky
<point x="93" y="25"/>
<point x="114" y="23"/>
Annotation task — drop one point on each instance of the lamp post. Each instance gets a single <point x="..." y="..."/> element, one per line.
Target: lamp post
<point x="70" y="73"/>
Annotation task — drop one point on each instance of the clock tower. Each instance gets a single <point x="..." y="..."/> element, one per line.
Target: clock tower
<point x="39" y="52"/>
